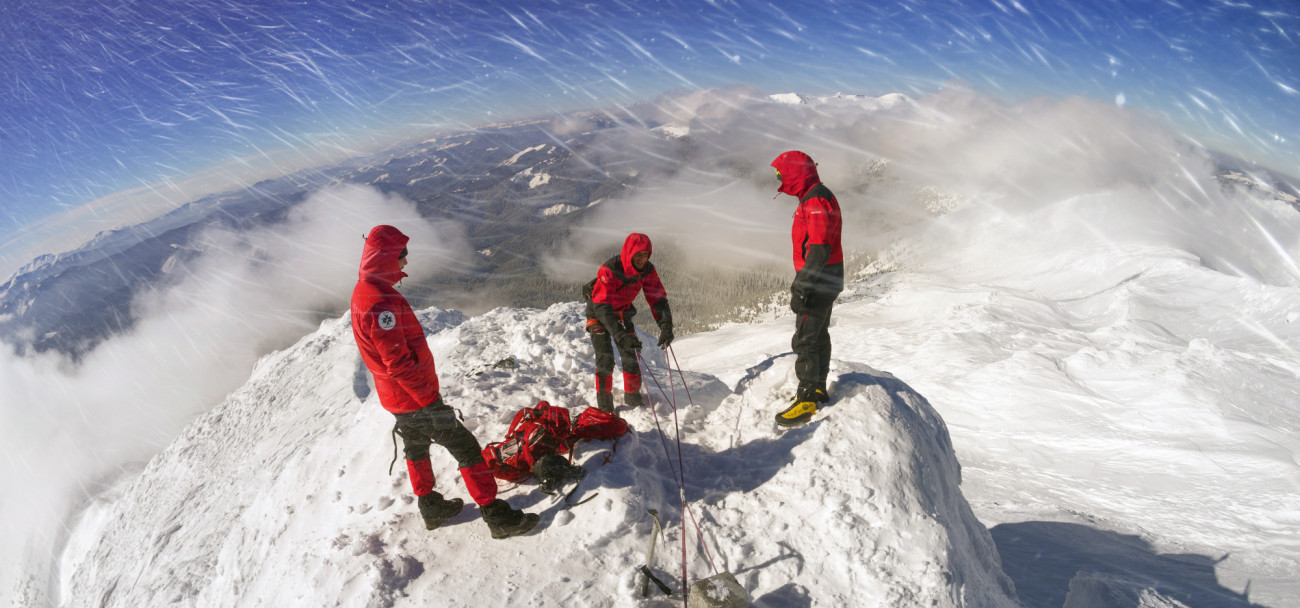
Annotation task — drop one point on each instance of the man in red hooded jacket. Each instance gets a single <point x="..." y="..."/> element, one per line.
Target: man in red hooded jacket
<point x="609" y="317"/>
<point x="392" y="345"/>
<point x="818" y="280"/>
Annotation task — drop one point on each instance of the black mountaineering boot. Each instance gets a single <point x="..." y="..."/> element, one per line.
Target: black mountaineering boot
<point x="553" y="471"/>
<point x="819" y="395"/>
<point x="605" y="401"/>
<point x="505" y="522"/>
<point x="435" y="510"/>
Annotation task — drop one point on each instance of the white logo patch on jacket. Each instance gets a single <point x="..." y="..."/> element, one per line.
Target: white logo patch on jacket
<point x="387" y="320"/>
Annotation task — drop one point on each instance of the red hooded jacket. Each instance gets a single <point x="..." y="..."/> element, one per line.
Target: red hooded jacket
<point x="817" y="219"/>
<point x="388" y="334"/>
<point x="618" y="282"/>
<point x="815" y="232"/>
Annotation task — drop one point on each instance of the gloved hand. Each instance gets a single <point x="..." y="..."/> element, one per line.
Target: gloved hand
<point x="797" y="303"/>
<point x="629" y="341"/>
<point x="665" y="336"/>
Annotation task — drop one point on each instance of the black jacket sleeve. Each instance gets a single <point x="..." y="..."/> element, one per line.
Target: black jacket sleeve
<point x="608" y="318"/>
<point x="662" y="313"/>
<point x="814" y="267"/>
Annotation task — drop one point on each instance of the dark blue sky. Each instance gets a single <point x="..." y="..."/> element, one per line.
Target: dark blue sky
<point x="100" y="97"/>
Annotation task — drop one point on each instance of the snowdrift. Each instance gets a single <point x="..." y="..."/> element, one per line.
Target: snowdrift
<point x="282" y="495"/>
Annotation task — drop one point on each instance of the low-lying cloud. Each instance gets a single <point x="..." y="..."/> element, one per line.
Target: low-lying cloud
<point x="956" y="177"/>
<point x="65" y="429"/>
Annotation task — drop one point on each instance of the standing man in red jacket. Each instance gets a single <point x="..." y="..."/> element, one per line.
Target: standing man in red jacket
<point x="818" y="280"/>
<point x="393" y="347"/>
<point x="609" y="318"/>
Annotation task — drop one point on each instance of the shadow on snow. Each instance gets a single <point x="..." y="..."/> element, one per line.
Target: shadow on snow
<point x="1042" y="558"/>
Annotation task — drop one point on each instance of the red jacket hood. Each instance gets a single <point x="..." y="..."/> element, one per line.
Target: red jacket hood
<point x="379" y="258"/>
<point x="798" y="173"/>
<point x="634" y="243"/>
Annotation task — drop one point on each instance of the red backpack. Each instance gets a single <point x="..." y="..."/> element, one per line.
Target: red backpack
<point x="595" y="424"/>
<point x="544" y="430"/>
<point x="535" y="432"/>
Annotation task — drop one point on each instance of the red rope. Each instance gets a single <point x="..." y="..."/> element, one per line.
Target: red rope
<point x="679" y="471"/>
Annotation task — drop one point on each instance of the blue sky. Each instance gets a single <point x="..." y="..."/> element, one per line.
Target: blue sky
<point x="103" y="97"/>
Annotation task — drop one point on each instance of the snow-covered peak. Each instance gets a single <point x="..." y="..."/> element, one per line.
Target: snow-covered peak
<point x="559" y="209"/>
<point x="283" y="493"/>
<point x="788" y="98"/>
<point x="38" y="262"/>
<point x="520" y="154"/>
<point x="863" y="101"/>
<point x="673" y="131"/>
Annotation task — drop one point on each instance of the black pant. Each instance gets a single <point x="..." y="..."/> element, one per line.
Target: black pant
<point x="812" y="344"/>
<point x="437" y="423"/>
<point x="604" y="344"/>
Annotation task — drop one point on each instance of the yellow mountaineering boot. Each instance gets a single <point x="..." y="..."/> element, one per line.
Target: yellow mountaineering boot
<point x="802" y="411"/>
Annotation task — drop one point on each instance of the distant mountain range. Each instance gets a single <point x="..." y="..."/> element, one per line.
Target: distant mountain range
<point x="517" y="188"/>
<point x="512" y="186"/>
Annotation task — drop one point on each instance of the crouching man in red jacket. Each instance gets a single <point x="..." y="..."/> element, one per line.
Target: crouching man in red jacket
<point x="609" y="318"/>
<point x="393" y="347"/>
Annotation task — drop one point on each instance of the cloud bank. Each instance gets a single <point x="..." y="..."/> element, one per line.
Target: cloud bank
<point x="949" y="179"/>
<point x="66" y="431"/>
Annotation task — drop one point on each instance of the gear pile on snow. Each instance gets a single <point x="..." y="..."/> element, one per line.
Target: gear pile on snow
<point x="542" y="431"/>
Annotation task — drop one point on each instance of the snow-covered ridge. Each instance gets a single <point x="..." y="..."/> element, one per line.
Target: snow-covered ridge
<point x="559" y="209"/>
<point x="1256" y="183"/>
<point x="864" y="101"/>
<point x="513" y="159"/>
<point x="282" y="492"/>
<point x="673" y="131"/>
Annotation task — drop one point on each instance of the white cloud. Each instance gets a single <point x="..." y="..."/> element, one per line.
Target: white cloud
<point x="69" y="427"/>
<point x="1055" y="170"/>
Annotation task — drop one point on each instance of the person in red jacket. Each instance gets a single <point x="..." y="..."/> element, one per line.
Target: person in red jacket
<point x="392" y="345"/>
<point x="818" y="280"/>
<point x="609" y="318"/>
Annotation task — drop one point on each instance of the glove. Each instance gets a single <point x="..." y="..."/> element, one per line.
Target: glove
<point x="797" y="303"/>
<point x="665" y="336"/>
<point x="629" y="342"/>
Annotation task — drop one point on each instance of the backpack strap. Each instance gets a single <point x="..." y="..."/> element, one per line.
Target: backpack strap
<point x="390" y="465"/>
<point x="514" y="424"/>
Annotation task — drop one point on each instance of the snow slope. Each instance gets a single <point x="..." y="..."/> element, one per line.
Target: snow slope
<point x="281" y="495"/>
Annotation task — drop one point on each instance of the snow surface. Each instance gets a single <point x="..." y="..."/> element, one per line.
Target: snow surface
<point x="541" y="179"/>
<point x="282" y="494"/>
